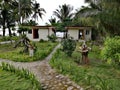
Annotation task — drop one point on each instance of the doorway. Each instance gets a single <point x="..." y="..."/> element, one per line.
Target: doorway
<point x="80" y="34"/>
<point x="35" y="34"/>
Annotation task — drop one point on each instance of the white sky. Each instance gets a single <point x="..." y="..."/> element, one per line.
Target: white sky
<point x="52" y="5"/>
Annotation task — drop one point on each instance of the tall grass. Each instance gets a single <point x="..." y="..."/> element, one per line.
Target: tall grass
<point x="23" y="74"/>
<point x="96" y="76"/>
<point x="43" y="49"/>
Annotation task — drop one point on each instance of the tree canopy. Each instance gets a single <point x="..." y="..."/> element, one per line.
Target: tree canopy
<point x="103" y="15"/>
<point x="18" y="11"/>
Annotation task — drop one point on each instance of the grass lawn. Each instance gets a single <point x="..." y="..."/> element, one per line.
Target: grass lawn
<point x="43" y="49"/>
<point x="11" y="81"/>
<point x="96" y="76"/>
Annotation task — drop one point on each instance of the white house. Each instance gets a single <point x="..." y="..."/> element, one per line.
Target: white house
<point x="40" y="32"/>
<point x="80" y="33"/>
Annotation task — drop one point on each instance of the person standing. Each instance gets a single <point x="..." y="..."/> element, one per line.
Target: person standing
<point x="84" y="52"/>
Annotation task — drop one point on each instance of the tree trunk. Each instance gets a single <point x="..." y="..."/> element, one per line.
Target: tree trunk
<point x="9" y="30"/>
<point x="3" y="30"/>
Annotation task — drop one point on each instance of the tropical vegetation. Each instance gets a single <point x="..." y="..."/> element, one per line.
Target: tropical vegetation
<point x="11" y="78"/>
<point x="103" y="15"/>
<point x="64" y="15"/>
<point x="18" y="11"/>
<point x="98" y="75"/>
<point x="111" y="50"/>
<point x="69" y="45"/>
<point x="16" y="54"/>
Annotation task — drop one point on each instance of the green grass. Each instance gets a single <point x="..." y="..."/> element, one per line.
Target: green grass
<point x="8" y="38"/>
<point x="11" y="81"/>
<point x="96" y="76"/>
<point x="43" y="49"/>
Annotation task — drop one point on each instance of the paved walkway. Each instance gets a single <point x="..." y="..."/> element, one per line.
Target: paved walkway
<point x="5" y="42"/>
<point x="48" y="77"/>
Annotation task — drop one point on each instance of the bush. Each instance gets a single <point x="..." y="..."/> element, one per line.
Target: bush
<point x="42" y="40"/>
<point x="8" y="38"/>
<point x="111" y="50"/>
<point x="52" y="38"/>
<point x="69" y="46"/>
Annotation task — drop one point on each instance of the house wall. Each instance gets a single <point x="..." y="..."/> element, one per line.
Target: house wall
<point x="30" y="36"/>
<point x="50" y="32"/>
<point x="73" y="33"/>
<point x="43" y="33"/>
<point x="87" y="36"/>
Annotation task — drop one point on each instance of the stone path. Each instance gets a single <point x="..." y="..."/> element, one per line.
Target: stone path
<point x="5" y="42"/>
<point x="48" y="77"/>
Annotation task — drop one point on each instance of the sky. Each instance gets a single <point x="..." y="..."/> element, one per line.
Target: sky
<point x="52" y="5"/>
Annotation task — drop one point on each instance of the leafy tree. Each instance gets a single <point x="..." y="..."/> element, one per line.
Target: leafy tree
<point x="10" y="22"/>
<point x="52" y="38"/>
<point x="111" y="50"/>
<point x="64" y="15"/>
<point x="52" y="21"/>
<point x="25" y="9"/>
<point x="103" y="15"/>
<point x="64" y="12"/>
<point x="38" y="11"/>
<point x="10" y="13"/>
<point x="69" y="45"/>
<point x="30" y="23"/>
<point x="6" y="15"/>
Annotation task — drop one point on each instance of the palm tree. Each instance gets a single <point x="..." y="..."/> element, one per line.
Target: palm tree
<point x="38" y="11"/>
<point x="8" y="14"/>
<point x="25" y="9"/>
<point x="52" y="21"/>
<point x="64" y="12"/>
<point x="10" y="22"/>
<point x="5" y="9"/>
<point x="103" y="15"/>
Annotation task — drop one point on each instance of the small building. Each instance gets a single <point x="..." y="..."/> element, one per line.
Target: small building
<point x="40" y="32"/>
<point x="79" y="33"/>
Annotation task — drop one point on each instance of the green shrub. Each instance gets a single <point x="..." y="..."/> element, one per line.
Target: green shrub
<point x="52" y="38"/>
<point x="7" y="38"/>
<point x="111" y="50"/>
<point x="42" y="40"/>
<point x="69" y="46"/>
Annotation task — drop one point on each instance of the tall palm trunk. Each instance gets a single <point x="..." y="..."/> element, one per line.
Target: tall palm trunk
<point x="4" y="27"/>
<point x="3" y="30"/>
<point x="9" y="30"/>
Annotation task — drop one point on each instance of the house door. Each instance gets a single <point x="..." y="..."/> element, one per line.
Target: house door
<point x="81" y="34"/>
<point x="35" y="34"/>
